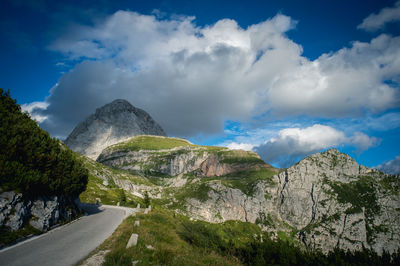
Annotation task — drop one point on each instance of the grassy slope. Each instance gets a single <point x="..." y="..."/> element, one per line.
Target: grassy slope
<point x="166" y="238"/>
<point x="151" y="143"/>
<point x="109" y="194"/>
<point x="177" y="240"/>
<point x="155" y="143"/>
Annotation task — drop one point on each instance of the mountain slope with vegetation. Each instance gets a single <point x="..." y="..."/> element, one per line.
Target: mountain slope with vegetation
<point x="173" y="157"/>
<point x="167" y="238"/>
<point x="33" y="162"/>
<point x="325" y="201"/>
<point x="39" y="177"/>
<point x="110" y="186"/>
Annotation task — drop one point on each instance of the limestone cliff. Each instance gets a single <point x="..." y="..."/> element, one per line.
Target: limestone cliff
<point x="325" y="201"/>
<point x="110" y="124"/>
<point x="174" y="157"/>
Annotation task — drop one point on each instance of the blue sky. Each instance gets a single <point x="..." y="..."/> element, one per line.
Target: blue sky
<point x="283" y="78"/>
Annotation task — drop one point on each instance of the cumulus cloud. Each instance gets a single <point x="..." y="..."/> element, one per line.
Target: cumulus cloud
<point x="342" y="83"/>
<point x="291" y="144"/>
<point x="363" y="142"/>
<point x="377" y="21"/>
<point x="240" y="146"/>
<point x="34" y="109"/>
<point x="191" y="79"/>
<point x="391" y="167"/>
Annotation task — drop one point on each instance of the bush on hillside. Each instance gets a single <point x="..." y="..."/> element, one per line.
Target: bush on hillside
<point x="30" y="160"/>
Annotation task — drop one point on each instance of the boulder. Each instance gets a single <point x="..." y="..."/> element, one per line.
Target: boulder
<point x="132" y="240"/>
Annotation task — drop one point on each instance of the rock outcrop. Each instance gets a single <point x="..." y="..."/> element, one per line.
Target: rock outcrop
<point x="41" y="213"/>
<point x="200" y="161"/>
<point x="326" y="200"/>
<point x="110" y="124"/>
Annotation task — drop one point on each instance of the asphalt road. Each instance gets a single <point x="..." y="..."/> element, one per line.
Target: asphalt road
<point x="69" y="244"/>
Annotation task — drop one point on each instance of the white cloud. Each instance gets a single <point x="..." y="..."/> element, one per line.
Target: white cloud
<point x="34" y="109"/>
<point x="377" y="21"/>
<point x="363" y="142"/>
<point x="391" y="167"/>
<point x="291" y="144"/>
<point x="343" y="83"/>
<point x="240" y="146"/>
<point x="191" y="79"/>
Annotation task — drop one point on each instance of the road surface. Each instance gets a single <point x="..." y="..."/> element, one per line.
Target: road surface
<point x="69" y="244"/>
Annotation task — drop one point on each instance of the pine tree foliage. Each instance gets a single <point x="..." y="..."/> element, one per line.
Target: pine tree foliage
<point x="30" y="160"/>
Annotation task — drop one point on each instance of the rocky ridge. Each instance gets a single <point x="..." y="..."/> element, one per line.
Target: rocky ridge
<point x="110" y="124"/>
<point x="325" y="201"/>
<point x="187" y="158"/>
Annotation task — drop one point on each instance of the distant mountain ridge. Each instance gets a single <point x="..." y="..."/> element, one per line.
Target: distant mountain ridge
<point x="110" y="124"/>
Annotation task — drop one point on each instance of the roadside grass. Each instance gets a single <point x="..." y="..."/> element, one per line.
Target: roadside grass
<point x="8" y="237"/>
<point x="177" y="240"/>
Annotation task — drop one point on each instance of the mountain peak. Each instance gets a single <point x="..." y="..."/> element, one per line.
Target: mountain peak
<point x="118" y="104"/>
<point x="332" y="151"/>
<point x="110" y="124"/>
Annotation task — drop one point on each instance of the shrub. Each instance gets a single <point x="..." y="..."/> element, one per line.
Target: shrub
<point x="30" y="160"/>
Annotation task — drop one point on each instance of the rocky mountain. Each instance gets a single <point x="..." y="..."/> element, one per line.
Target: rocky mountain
<point x="325" y="201"/>
<point x="110" y="124"/>
<point x="173" y="157"/>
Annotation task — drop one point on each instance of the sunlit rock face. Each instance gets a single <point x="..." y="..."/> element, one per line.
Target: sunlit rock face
<point x="326" y="200"/>
<point x="110" y="124"/>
